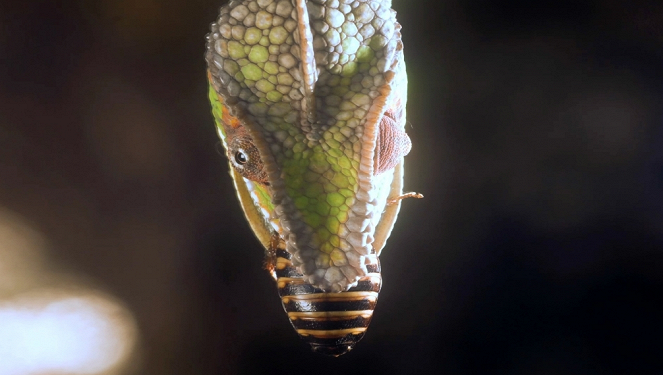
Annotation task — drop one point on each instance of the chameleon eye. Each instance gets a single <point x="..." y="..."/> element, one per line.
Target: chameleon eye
<point x="245" y="158"/>
<point x="241" y="158"/>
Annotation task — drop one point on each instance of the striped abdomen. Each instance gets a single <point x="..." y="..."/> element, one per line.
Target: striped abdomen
<point x="331" y="322"/>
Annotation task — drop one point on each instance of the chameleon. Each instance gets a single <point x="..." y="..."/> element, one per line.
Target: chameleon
<point x="309" y="98"/>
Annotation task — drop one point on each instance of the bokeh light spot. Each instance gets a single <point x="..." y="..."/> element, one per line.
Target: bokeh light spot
<point x="52" y="332"/>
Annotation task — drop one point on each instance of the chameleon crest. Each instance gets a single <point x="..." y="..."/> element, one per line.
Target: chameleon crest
<point x="309" y="100"/>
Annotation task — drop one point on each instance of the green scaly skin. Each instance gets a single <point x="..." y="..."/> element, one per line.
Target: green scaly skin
<point x="310" y="81"/>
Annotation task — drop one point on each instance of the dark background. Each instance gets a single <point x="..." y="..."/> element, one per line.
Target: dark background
<point x="537" y="143"/>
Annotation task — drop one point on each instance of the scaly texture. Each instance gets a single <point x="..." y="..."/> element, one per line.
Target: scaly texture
<point x="311" y="82"/>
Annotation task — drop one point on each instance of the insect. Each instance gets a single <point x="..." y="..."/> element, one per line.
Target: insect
<point x="309" y="103"/>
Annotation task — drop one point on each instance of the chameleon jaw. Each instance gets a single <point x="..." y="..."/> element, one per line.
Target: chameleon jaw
<point x="335" y="270"/>
<point x="342" y="268"/>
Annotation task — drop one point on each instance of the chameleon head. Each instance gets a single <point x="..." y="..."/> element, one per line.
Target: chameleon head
<point x="317" y="89"/>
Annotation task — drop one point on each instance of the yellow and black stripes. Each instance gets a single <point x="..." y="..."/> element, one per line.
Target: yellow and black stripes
<point x="332" y="323"/>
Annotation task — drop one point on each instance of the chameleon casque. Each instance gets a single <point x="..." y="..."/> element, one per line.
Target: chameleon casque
<point x="309" y="101"/>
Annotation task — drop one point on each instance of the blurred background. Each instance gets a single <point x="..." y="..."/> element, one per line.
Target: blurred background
<point x="538" y="143"/>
